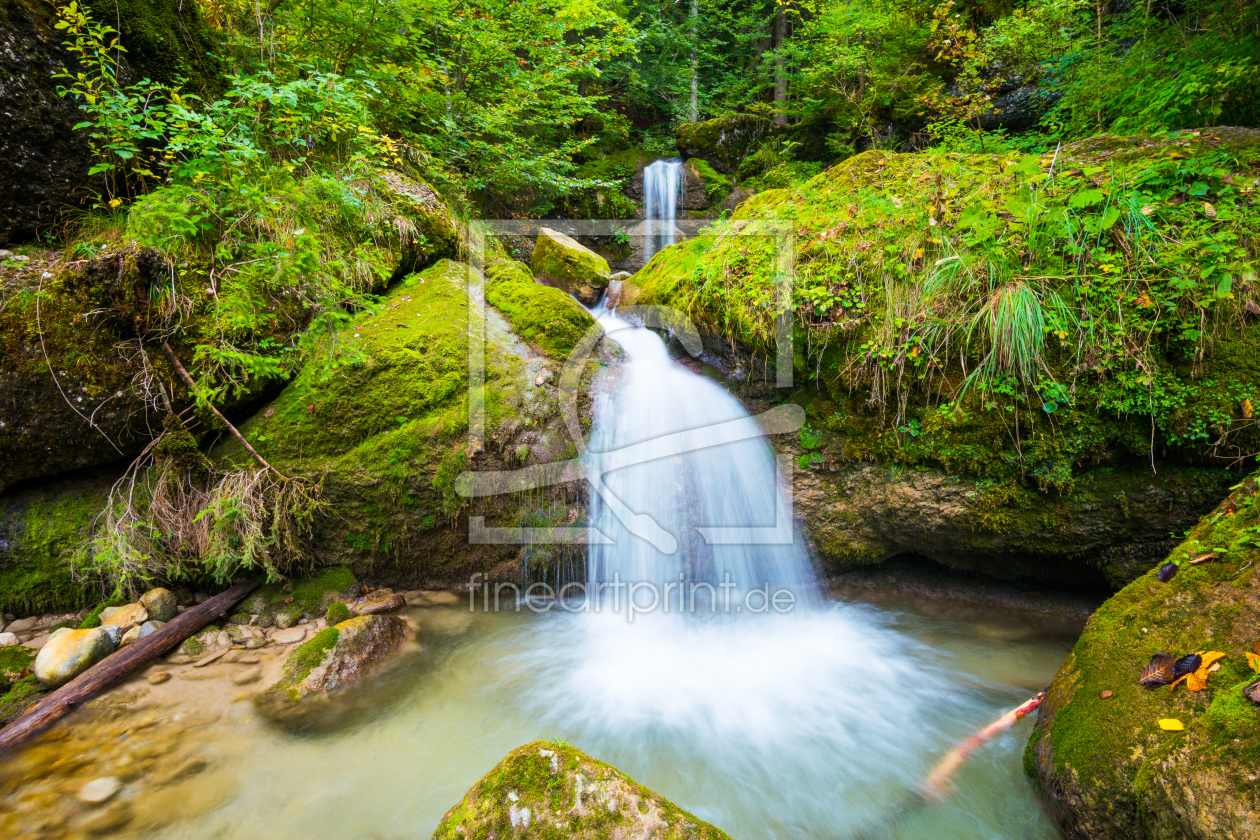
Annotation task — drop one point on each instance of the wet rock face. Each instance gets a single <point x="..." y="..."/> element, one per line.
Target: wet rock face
<point x="723" y="141"/>
<point x="1107" y="767"/>
<point x="549" y="789"/>
<point x="44" y="163"/>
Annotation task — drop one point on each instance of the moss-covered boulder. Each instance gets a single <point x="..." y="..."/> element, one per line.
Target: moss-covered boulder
<point x="1105" y="763"/>
<point x="335" y="659"/>
<point x="552" y="790"/>
<point x="723" y="141"/>
<point x="908" y="270"/>
<point x="384" y="428"/>
<point x="565" y="263"/>
<point x="542" y="315"/>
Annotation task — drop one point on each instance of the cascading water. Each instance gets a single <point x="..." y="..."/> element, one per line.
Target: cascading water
<point x="662" y="183"/>
<point x="688" y="496"/>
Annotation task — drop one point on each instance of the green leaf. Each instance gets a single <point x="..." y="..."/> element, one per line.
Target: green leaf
<point x="1087" y="198"/>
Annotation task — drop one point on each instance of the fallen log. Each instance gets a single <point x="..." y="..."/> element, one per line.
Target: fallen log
<point x="117" y="667"/>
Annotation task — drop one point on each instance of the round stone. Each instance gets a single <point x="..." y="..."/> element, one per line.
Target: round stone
<point x="99" y="790"/>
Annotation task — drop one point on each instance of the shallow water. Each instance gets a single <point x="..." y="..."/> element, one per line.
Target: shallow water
<point x="805" y="725"/>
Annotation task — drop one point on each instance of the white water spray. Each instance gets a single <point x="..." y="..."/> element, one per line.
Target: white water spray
<point x="662" y="183"/>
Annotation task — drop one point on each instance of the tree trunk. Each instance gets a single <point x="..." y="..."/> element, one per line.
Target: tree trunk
<point x="780" y="65"/>
<point x="116" y="667"/>
<point x="693" y="110"/>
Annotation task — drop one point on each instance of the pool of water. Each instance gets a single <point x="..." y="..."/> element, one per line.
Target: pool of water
<point x="817" y="724"/>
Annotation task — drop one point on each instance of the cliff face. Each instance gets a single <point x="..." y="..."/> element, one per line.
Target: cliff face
<point x="44" y="162"/>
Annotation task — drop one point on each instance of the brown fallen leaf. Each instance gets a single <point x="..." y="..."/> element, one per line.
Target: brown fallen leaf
<point x="1202" y="558"/>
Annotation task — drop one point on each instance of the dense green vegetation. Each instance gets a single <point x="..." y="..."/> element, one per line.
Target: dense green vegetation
<point x="1016" y="301"/>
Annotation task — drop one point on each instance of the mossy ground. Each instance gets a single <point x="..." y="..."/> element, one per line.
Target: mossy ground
<point x="876" y="234"/>
<point x="544" y="778"/>
<point x="305" y="597"/>
<point x="19" y="698"/>
<point x="1105" y="761"/>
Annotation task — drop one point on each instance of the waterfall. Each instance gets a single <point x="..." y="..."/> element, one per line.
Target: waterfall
<point x="662" y="182"/>
<point x="727" y="479"/>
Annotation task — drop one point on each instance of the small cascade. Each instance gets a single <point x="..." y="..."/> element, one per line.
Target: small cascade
<point x="662" y="185"/>
<point x="725" y="478"/>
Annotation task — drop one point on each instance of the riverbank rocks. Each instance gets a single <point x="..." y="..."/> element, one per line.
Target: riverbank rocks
<point x="68" y="653"/>
<point x="135" y="634"/>
<point x="549" y="789"/>
<point x="285" y="604"/>
<point x="1108" y="767"/>
<point x="160" y="603"/>
<point x="127" y="617"/>
<point x="565" y="263"/>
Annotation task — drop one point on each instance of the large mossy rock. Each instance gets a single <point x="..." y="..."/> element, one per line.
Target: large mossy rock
<point x="1078" y="473"/>
<point x="1108" y="769"/>
<point x="334" y="661"/>
<point x="385" y="430"/>
<point x="69" y="392"/>
<point x="542" y="315"/>
<point x="551" y="790"/>
<point x="723" y="141"/>
<point x="567" y="264"/>
<point x="69" y="653"/>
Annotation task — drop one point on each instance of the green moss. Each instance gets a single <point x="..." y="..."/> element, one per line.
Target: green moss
<point x="309" y="656"/>
<point x="716" y="185"/>
<point x="14" y="659"/>
<point x="723" y="141"/>
<point x="542" y="777"/>
<point x="92" y="619"/>
<point x="1111" y="748"/>
<point x="540" y="314"/>
<point x="18" y="698"/>
<point x="304" y="597"/>
<point x="47" y="531"/>
<point x="337" y="613"/>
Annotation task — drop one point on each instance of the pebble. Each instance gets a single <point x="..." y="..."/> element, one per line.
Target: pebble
<point x="8" y="639"/>
<point x="38" y="642"/>
<point x="159" y="678"/>
<point x="247" y="676"/>
<point x="289" y="635"/>
<point x="99" y="790"/>
<point x="1105" y="694"/>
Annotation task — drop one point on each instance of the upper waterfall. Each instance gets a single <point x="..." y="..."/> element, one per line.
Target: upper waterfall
<point x="662" y="184"/>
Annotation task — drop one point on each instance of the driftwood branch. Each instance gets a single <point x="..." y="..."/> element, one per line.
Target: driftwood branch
<point x="179" y="368"/>
<point x="117" y="667"/>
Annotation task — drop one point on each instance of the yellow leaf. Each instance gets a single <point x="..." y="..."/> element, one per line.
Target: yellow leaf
<point x="1253" y="661"/>
<point x="1173" y="684"/>
<point x="1171" y="725"/>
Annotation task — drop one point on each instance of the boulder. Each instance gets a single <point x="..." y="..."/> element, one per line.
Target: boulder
<point x="378" y="603"/>
<point x="549" y="789"/>
<point x="132" y="615"/>
<point x="723" y="141"/>
<point x="160" y="603"/>
<point x="337" y="658"/>
<point x="135" y="634"/>
<point x="565" y="263"/>
<point x="8" y="639"/>
<point x="1107" y="766"/>
<point x="115" y="633"/>
<point x="69" y="654"/>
